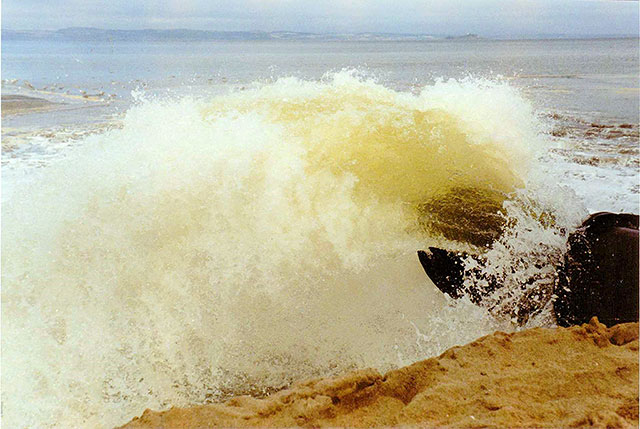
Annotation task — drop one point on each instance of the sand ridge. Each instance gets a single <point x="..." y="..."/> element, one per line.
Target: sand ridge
<point x="580" y="376"/>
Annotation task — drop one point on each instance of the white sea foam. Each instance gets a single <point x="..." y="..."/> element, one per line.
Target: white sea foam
<point x="235" y="244"/>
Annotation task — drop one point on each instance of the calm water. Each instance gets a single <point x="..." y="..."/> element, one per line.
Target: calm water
<point x="597" y="77"/>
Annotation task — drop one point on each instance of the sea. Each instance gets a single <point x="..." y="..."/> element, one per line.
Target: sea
<point x="187" y="221"/>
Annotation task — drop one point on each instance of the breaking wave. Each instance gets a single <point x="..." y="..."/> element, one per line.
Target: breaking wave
<point x="231" y="245"/>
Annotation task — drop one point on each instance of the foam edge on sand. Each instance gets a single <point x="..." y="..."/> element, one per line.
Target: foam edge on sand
<point x="579" y="376"/>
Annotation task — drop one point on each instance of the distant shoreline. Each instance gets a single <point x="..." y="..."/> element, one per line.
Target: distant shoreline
<point x="142" y="35"/>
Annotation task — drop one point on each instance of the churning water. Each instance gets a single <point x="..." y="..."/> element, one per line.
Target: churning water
<point x="230" y="244"/>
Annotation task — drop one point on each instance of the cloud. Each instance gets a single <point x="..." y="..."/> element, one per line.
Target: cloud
<point x="487" y="17"/>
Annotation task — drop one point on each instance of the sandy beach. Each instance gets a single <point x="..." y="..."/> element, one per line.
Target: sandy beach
<point x="580" y="376"/>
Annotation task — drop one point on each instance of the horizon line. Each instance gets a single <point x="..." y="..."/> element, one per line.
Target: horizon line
<point x="336" y="33"/>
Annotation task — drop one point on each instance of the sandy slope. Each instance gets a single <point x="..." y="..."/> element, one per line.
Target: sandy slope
<point x="580" y="376"/>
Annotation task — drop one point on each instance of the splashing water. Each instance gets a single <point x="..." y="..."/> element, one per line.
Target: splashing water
<point x="233" y="245"/>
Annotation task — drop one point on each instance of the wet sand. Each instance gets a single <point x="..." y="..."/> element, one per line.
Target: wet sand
<point x="17" y="104"/>
<point x="580" y="376"/>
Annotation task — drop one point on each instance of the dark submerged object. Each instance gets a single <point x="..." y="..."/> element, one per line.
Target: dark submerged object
<point x="478" y="215"/>
<point x="599" y="276"/>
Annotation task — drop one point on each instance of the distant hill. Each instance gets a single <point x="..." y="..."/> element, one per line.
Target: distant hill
<point x="97" y="34"/>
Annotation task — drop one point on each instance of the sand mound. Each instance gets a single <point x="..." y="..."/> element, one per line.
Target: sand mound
<point x="580" y="376"/>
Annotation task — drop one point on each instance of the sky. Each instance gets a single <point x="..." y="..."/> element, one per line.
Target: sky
<point x="449" y="17"/>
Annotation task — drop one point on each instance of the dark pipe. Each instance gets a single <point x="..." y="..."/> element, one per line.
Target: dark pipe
<point x="599" y="276"/>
